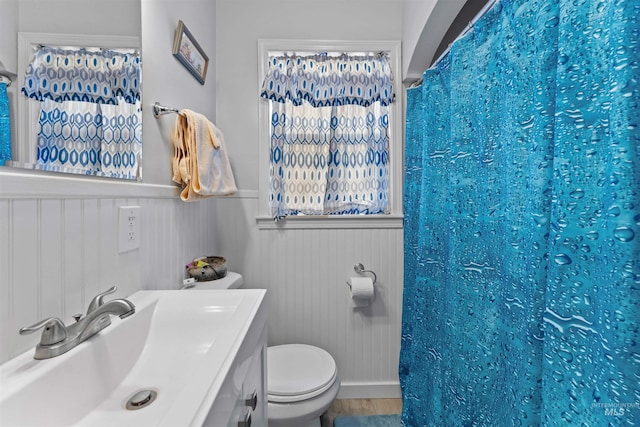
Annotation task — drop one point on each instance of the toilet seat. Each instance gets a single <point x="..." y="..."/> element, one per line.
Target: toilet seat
<point x="298" y="372"/>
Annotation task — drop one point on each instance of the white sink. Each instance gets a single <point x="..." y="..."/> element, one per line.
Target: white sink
<point x="180" y="344"/>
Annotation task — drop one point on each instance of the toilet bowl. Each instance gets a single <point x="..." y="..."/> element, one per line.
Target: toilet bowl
<point x="302" y="380"/>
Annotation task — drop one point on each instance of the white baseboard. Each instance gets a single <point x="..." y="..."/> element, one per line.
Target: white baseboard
<point x="362" y="390"/>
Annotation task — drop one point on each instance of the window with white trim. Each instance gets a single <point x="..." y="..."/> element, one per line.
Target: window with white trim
<point x="330" y="134"/>
<point x="59" y="132"/>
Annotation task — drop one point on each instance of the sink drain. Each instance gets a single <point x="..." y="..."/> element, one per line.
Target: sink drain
<point x="141" y="399"/>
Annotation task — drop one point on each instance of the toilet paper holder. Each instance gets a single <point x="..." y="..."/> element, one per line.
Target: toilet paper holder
<point x="359" y="268"/>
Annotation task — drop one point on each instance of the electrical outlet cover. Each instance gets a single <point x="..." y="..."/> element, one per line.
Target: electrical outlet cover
<point x="128" y="228"/>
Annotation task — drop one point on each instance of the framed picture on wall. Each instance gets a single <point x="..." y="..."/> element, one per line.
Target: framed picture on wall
<point x="189" y="52"/>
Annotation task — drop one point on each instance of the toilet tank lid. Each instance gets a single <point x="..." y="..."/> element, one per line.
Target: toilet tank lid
<point x="232" y="280"/>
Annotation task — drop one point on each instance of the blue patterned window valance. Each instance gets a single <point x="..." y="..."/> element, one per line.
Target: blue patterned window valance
<point x="324" y="80"/>
<point x="83" y="75"/>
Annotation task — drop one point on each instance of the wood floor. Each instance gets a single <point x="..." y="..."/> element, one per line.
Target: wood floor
<point x="360" y="407"/>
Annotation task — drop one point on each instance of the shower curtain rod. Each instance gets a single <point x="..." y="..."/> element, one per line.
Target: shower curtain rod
<point x="464" y="32"/>
<point x="6" y="78"/>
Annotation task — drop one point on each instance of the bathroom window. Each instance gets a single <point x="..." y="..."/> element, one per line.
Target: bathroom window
<point x="330" y="152"/>
<point x="80" y="105"/>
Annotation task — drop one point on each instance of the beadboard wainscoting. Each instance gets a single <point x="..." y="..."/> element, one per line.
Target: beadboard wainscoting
<point x="305" y="273"/>
<point x="57" y="253"/>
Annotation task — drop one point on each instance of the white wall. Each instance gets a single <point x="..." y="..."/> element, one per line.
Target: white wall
<point x="114" y="17"/>
<point x="425" y="23"/>
<point x="415" y="15"/>
<point x="57" y="235"/>
<point x="305" y="271"/>
<point x="167" y="81"/>
<point x="8" y="34"/>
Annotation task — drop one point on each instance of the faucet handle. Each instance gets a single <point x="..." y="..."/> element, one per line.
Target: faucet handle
<point x="54" y="331"/>
<point x="97" y="301"/>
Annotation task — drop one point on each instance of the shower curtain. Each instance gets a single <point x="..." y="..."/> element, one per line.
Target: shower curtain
<point x="522" y="216"/>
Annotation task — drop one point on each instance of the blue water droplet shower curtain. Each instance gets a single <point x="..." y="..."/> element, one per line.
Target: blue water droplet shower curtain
<point x="5" y="125"/>
<point x="522" y="222"/>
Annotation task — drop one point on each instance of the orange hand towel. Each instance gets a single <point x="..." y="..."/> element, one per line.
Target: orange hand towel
<point x="200" y="163"/>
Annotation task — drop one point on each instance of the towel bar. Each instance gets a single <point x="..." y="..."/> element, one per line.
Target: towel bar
<point x="159" y="110"/>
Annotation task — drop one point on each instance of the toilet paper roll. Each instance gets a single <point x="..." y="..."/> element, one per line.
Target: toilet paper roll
<point x="360" y="291"/>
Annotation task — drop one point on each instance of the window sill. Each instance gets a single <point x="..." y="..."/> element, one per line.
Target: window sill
<point x="331" y="222"/>
<point x="29" y="184"/>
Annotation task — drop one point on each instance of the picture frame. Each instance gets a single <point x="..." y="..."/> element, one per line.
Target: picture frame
<point x="187" y="50"/>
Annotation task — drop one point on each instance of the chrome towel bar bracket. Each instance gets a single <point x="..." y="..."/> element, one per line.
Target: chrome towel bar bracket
<point x="159" y="110"/>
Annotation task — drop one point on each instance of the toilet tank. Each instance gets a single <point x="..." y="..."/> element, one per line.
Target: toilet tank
<point x="231" y="281"/>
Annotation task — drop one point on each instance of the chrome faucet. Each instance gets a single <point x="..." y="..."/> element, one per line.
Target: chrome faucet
<point x="58" y="339"/>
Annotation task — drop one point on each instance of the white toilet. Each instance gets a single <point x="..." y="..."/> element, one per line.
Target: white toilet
<point x="302" y="380"/>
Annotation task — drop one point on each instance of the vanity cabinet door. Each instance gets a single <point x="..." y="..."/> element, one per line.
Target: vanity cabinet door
<point x="255" y="388"/>
<point x="249" y="385"/>
<point x="242" y="399"/>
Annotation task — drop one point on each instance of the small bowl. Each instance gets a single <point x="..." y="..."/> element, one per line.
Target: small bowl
<point x="217" y="269"/>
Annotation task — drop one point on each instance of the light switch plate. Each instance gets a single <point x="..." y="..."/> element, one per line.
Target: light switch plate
<point x="128" y="228"/>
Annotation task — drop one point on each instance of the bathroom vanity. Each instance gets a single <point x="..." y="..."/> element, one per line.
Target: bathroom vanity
<point x="242" y="399"/>
<point x="184" y="358"/>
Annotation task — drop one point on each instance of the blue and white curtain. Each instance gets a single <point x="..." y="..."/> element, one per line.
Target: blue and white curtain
<point x="522" y="222"/>
<point x="329" y="134"/>
<point x="90" y="120"/>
